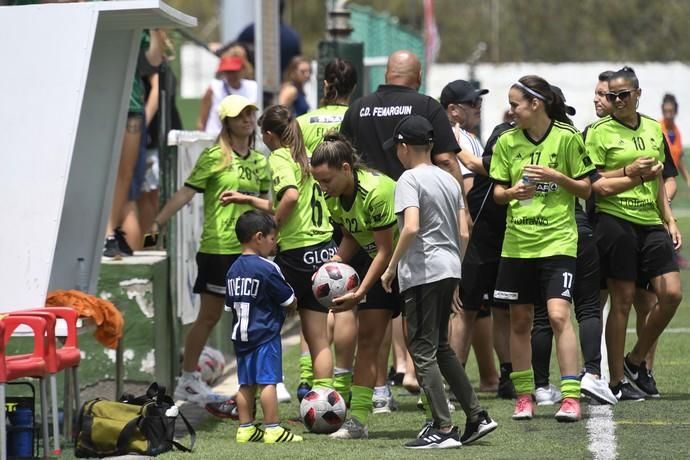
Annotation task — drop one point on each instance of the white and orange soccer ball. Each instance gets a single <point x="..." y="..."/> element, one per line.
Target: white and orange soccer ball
<point x="332" y="280"/>
<point x="323" y="410"/>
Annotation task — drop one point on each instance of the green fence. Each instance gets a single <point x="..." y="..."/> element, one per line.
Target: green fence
<point x="382" y="34"/>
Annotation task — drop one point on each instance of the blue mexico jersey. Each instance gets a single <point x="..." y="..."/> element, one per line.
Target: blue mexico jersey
<point x="256" y="293"/>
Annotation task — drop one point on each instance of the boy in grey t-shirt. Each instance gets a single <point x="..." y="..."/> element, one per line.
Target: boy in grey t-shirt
<point x="428" y="202"/>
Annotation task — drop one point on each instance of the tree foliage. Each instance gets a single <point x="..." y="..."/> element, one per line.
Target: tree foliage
<point x="526" y="30"/>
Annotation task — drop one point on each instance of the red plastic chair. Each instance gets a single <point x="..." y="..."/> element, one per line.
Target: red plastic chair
<point x="22" y="366"/>
<point x="66" y="357"/>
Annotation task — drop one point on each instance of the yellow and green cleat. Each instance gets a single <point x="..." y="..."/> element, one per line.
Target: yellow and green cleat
<point x="249" y="434"/>
<point x="279" y="434"/>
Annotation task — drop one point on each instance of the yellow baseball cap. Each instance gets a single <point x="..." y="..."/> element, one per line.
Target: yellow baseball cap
<point x="232" y="105"/>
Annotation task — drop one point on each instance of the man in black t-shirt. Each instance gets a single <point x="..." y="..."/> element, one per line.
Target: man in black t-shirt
<point x="370" y="120"/>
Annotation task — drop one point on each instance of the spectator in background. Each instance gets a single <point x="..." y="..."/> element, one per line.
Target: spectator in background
<point x="160" y="91"/>
<point x="116" y="245"/>
<point x="669" y="110"/>
<point x="292" y="93"/>
<point x="289" y="41"/>
<point x="230" y="80"/>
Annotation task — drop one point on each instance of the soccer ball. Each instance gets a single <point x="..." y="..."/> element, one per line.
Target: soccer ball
<point x="332" y="280"/>
<point x="211" y="364"/>
<point x="323" y="410"/>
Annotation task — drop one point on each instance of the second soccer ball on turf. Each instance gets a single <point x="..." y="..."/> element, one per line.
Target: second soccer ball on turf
<point x="332" y="280"/>
<point x="323" y="410"/>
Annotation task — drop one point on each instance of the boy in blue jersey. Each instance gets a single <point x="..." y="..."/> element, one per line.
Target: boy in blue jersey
<point x="260" y="298"/>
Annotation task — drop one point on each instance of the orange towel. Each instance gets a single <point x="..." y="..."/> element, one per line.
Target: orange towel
<point x="108" y="319"/>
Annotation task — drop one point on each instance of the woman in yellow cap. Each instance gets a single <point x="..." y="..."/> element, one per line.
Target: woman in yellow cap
<point x="231" y="164"/>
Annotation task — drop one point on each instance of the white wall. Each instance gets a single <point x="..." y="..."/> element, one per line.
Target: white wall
<point x="577" y="80"/>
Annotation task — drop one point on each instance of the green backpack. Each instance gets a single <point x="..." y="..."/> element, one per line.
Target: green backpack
<point x="135" y="425"/>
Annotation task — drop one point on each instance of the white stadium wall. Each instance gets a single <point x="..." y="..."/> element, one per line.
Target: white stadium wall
<point x="577" y="80"/>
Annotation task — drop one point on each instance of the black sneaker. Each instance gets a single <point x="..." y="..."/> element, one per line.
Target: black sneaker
<point x="641" y="378"/>
<point x="125" y="249"/>
<point x="111" y="249"/>
<point x="225" y="409"/>
<point x="506" y="389"/>
<point x="648" y="383"/>
<point x="302" y="390"/>
<point x="435" y="439"/>
<point x="478" y="429"/>
<point x="624" y="391"/>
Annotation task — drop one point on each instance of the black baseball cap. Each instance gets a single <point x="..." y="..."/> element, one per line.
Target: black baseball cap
<point x="460" y="91"/>
<point x="412" y="130"/>
<point x="569" y="109"/>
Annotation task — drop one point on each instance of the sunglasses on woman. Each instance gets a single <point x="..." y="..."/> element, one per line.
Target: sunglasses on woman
<point x="622" y="95"/>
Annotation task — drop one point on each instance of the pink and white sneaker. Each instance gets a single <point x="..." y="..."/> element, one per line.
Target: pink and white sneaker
<point x="523" y="408"/>
<point x="569" y="411"/>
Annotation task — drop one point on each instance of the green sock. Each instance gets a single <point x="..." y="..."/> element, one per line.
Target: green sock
<point x="360" y="405"/>
<point x="427" y="406"/>
<point x="523" y="381"/>
<point x="342" y="382"/>
<point x="306" y="372"/>
<point x="570" y="387"/>
<point x="323" y="383"/>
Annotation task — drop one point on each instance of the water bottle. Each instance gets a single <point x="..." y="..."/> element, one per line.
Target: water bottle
<point x="82" y="275"/>
<point x="20" y="444"/>
<point x="526" y="201"/>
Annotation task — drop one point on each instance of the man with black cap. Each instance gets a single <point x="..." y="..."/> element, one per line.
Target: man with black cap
<point x="370" y="120"/>
<point x="463" y="105"/>
<point x="429" y="205"/>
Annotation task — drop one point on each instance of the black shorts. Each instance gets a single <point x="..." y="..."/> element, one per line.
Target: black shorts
<point x="633" y="252"/>
<point x="211" y="271"/>
<point x="298" y="266"/>
<point x="377" y="298"/>
<point x="477" y="287"/>
<point x="535" y="281"/>
<point x="485" y="243"/>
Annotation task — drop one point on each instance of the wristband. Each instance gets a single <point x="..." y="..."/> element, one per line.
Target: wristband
<point x="624" y="173"/>
<point x="641" y="180"/>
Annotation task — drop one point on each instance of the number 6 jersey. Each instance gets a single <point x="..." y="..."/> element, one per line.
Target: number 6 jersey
<point x="308" y="223"/>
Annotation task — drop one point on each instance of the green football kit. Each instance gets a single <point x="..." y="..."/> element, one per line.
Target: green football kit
<point x="545" y="226"/>
<point x="213" y="174"/>
<point x="613" y="145"/>
<point x="372" y="209"/>
<point x="308" y="223"/>
<point x="317" y="123"/>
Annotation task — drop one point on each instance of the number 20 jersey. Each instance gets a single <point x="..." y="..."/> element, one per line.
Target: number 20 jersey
<point x="308" y="223"/>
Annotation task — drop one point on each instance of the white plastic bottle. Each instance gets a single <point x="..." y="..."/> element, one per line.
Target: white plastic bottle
<point x="526" y="201"/>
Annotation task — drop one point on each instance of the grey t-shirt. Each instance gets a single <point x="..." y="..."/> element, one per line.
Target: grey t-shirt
<point x="435" y="253"/>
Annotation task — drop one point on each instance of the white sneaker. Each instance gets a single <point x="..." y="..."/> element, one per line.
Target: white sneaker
<point x="383" y="404"/>
<point x="283" y="393"/>
<point x="597" y="388"/>
<point x="547" y="396"/>
<point x="193" y="389"/>
<point x="351" y="429"/>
